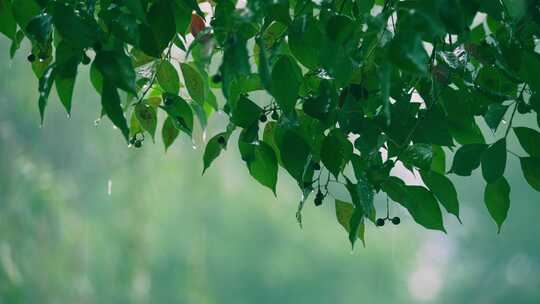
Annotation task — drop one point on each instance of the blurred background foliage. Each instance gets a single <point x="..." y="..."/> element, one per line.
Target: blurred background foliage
<point x="84" y="219"/>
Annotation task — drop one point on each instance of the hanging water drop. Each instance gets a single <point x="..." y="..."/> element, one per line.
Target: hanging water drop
<point x="109" y="187"/>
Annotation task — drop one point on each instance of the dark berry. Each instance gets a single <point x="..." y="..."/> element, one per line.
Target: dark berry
<point x="167" y="101"/>
<point x="318" y="201"/>
<point x="216" y="78"/>
<point x="85" y="60"/>
<point x="396" y="220"/>
<point x="263" y="118"/>
<point x="137" y="144"/>
<point x="379" y="222"/>
<point x="523" y="108"/>
<point x="31" y="58"/>
<point x="221" y="140"/>
<point x="133" y="140"/>
<point x="275" y="115"/>
<point x="316" y="166"/>
<point x="97" y="46"/>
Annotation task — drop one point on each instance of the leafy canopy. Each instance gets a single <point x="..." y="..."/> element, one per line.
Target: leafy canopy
<point x="349" y="88"/>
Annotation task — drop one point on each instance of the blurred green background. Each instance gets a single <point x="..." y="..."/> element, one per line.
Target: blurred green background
<point x="84" y="219"/>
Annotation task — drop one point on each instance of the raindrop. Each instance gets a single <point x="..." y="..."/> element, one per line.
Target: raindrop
<point x="109" y="187"/>
<point x="503" y="122"/>
<point x="96" y="122"/>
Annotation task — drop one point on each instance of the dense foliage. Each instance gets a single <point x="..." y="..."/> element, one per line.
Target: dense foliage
<point x="349" y="88"/>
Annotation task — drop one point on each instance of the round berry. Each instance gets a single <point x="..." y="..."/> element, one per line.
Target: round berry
<point x="168" y="101"/>
<point x="137" y="144"/>
<point x="133" y="140"/>
<point x="221" y="140"/>
<point x="263" y="118"/>
<point x="379" y="222"/>
<point x="85" y="60"/>
<point x="216" y="78"/>
<point x="396" y="220"/>
<point x="523" y="108"/>
<point x="31" y="58"/>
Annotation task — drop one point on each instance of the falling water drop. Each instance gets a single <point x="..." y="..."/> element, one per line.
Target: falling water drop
<point x="503" y="121"/>
<point x="109" y="187"/>
<point x="96" y="122"/>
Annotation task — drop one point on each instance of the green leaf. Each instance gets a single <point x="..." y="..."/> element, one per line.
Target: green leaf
<point x="408" y="53"/>
<point x="294" y="152"/>
<point x="213" y="149"/>
<point x="305" y="40"/>
<point x="169" y="132"/>
<point x="194" y="82"/>
<point x="418" y="155"/>
<point x="136" y="8"/>
<point x="494" y="161"/>
<point x="530" y="68"/>
<point x="420" y="203"/>
<point x="40" y="28"/>
<point x="67" y="61"/>
<point x="467" y="159"/>
<point x="167" y="77"/>
<point x="24" y="11"/>
<point x="493" y="79"/>
<point x="357" y="218"/>
<point x="424" y="208"/>
<point x="529" y="140"/>
<point x="110" y="101"/>
<point x="438" y="163"/>
<point x="45" y="84"/>
<point x="443" y="189"/>
<point x="336" y="151"/>
<point x="156" y="36"/>
<point x="494" y="115"/>
<point x="497" y="199"/>
<point x="344" y="214"/>
<point x="79" y="29"/>
<point x="264" y="167"/>
<point x="179" y="111"/>
<point x="362" y="197"/>
<point x="193" y="5"/>
<point x="8" y="26"/>
<point x="531" y="170"/>
<point x="116" y="68"/>
<point x="246" y="113"/>
<point x="286" y="77"/>
<point x="147" y="117"/>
